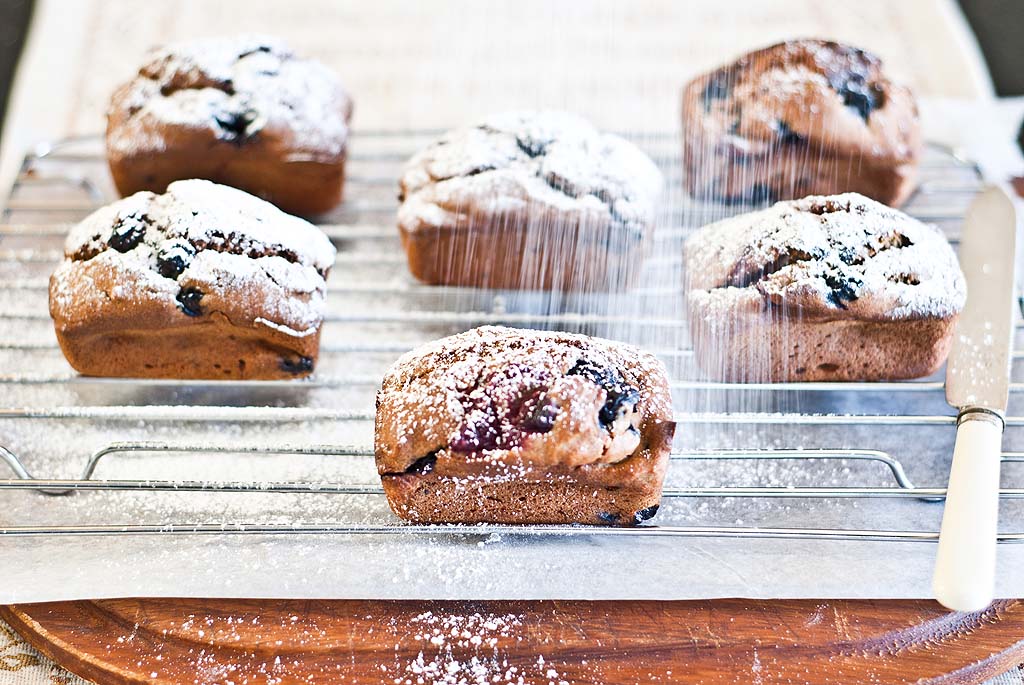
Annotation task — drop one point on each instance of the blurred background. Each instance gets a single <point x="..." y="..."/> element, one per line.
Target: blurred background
<point x="415" y="65"/>
<point x="997" y="24"/>
<point x="999" y="27"/>
<point x="14" y="19"/>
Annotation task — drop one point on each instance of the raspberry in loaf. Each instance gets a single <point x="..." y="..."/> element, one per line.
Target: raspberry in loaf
<point x="517" y="426"/>
<point x="528" y="200"/>
<point x="241" y="111"/>
<point x="805" y="117"/>
<point x="204" y="281"/>
<point x="837" y="288"/>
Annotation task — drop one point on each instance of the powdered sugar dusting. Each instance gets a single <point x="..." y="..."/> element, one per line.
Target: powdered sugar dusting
<point x="845" y="256"/>
<point x="510" y="399"/>
<point x="203" y="212"/>
<point x="197" y="235"/>
<point x="552" y="164"/>
<point x="285" y="329"/>
<point x="447" y="637"/>
<point x="800" y="118"/>
<point x="782" y="93"/>
<point x="223" y="85"/>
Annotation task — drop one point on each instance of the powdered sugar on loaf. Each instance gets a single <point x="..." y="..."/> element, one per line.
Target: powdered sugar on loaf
<point x="235" y="88"/>
<point x="555" y="164"/>
<point x="200" y="234"/>
<point x="842" y="256"/>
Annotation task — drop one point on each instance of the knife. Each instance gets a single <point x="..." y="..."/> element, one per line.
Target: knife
<point x="977" y="384"/>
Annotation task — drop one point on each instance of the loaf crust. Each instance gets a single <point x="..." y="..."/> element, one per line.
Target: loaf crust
<point x="204" y="281"/>
<point x="245" y="112"/>
<point x="805" y="117"/>
<point x="528" y="200"/>
<point x="516" y="426"/>
<point x="838" y="288"/>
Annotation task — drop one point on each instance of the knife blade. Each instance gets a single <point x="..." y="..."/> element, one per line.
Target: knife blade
<point x="977" y="385"/>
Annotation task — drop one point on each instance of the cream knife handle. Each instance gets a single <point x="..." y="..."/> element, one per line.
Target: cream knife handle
<point x="965" y="568"/>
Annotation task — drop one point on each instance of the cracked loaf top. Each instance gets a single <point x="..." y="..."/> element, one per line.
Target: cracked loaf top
<point x="197" y="252"/>
<point x="535" y="168"/>
<point x="503" y="401"/>
<point x="838" y="257"/>
<point x="241" y="90"/>
<point x="809" y="92"/>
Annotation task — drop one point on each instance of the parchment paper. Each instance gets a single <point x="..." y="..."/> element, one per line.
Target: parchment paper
<point x="470" y="566"/>
<point x="476" y="564"/>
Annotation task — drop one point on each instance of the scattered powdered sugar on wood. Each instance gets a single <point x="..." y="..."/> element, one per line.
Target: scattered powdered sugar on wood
<point x="468" y="649"/>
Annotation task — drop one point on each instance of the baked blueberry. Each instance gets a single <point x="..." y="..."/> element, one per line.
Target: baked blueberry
<point x="843" y="289"/>
<point x="239" y="126"/>
<point x="127" y="233"/>
<point x="718" y="87"/>
<point x="189" y="299"/>
<point x="171" y="261"/>
<point x="297" y="365"/>
<point x="786" y="135"/>
<point x="531" y="146"/>
<point x="851" y="74"/>
<point x="646" y="514"/>
<point x="505" y="405"/>
<point x="621" y="397"/>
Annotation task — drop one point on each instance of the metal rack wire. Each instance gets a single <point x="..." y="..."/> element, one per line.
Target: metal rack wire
<point x="60" y="183"/>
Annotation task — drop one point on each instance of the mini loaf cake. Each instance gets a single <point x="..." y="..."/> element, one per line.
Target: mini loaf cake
<point x="837" y="288"/>
<point x="517" y="426"/>
<point x="204" y="281"/>
<point x="242" y="111"/>
<point x="805" y="117"/>
<point x="538" y="201"/>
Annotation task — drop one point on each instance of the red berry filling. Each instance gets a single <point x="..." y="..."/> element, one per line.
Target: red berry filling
<point x="503" y="408"/>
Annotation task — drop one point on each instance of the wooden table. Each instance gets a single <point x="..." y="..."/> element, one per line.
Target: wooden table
<point x="723" y="641"/>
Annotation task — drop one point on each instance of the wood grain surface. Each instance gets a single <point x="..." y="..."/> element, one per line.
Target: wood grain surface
<point x="722" y="641"/>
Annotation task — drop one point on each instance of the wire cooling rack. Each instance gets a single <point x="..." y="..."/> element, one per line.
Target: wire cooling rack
<point x="99" y="456"/>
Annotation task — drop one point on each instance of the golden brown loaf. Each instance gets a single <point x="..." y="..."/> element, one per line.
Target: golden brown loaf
<point x="805" y="117"/>
<point x="528" y="200"/>
<point x="244" y="111"/>
<point x="204" y="281"/>
<point x="520" y="426"/>
<point x="822" y="289"/>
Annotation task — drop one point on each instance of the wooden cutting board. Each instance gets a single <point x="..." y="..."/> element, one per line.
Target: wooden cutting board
<point x="282" y="642"/>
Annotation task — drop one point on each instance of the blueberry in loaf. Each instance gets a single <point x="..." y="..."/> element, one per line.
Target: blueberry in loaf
<point x="528" y="200"/>
<point x="804" y="117"/>
<point x="517" y="426"/>
<point x="204" y="281"/>
<point x="243" y="111"/>
<point x="838" y="288"/>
